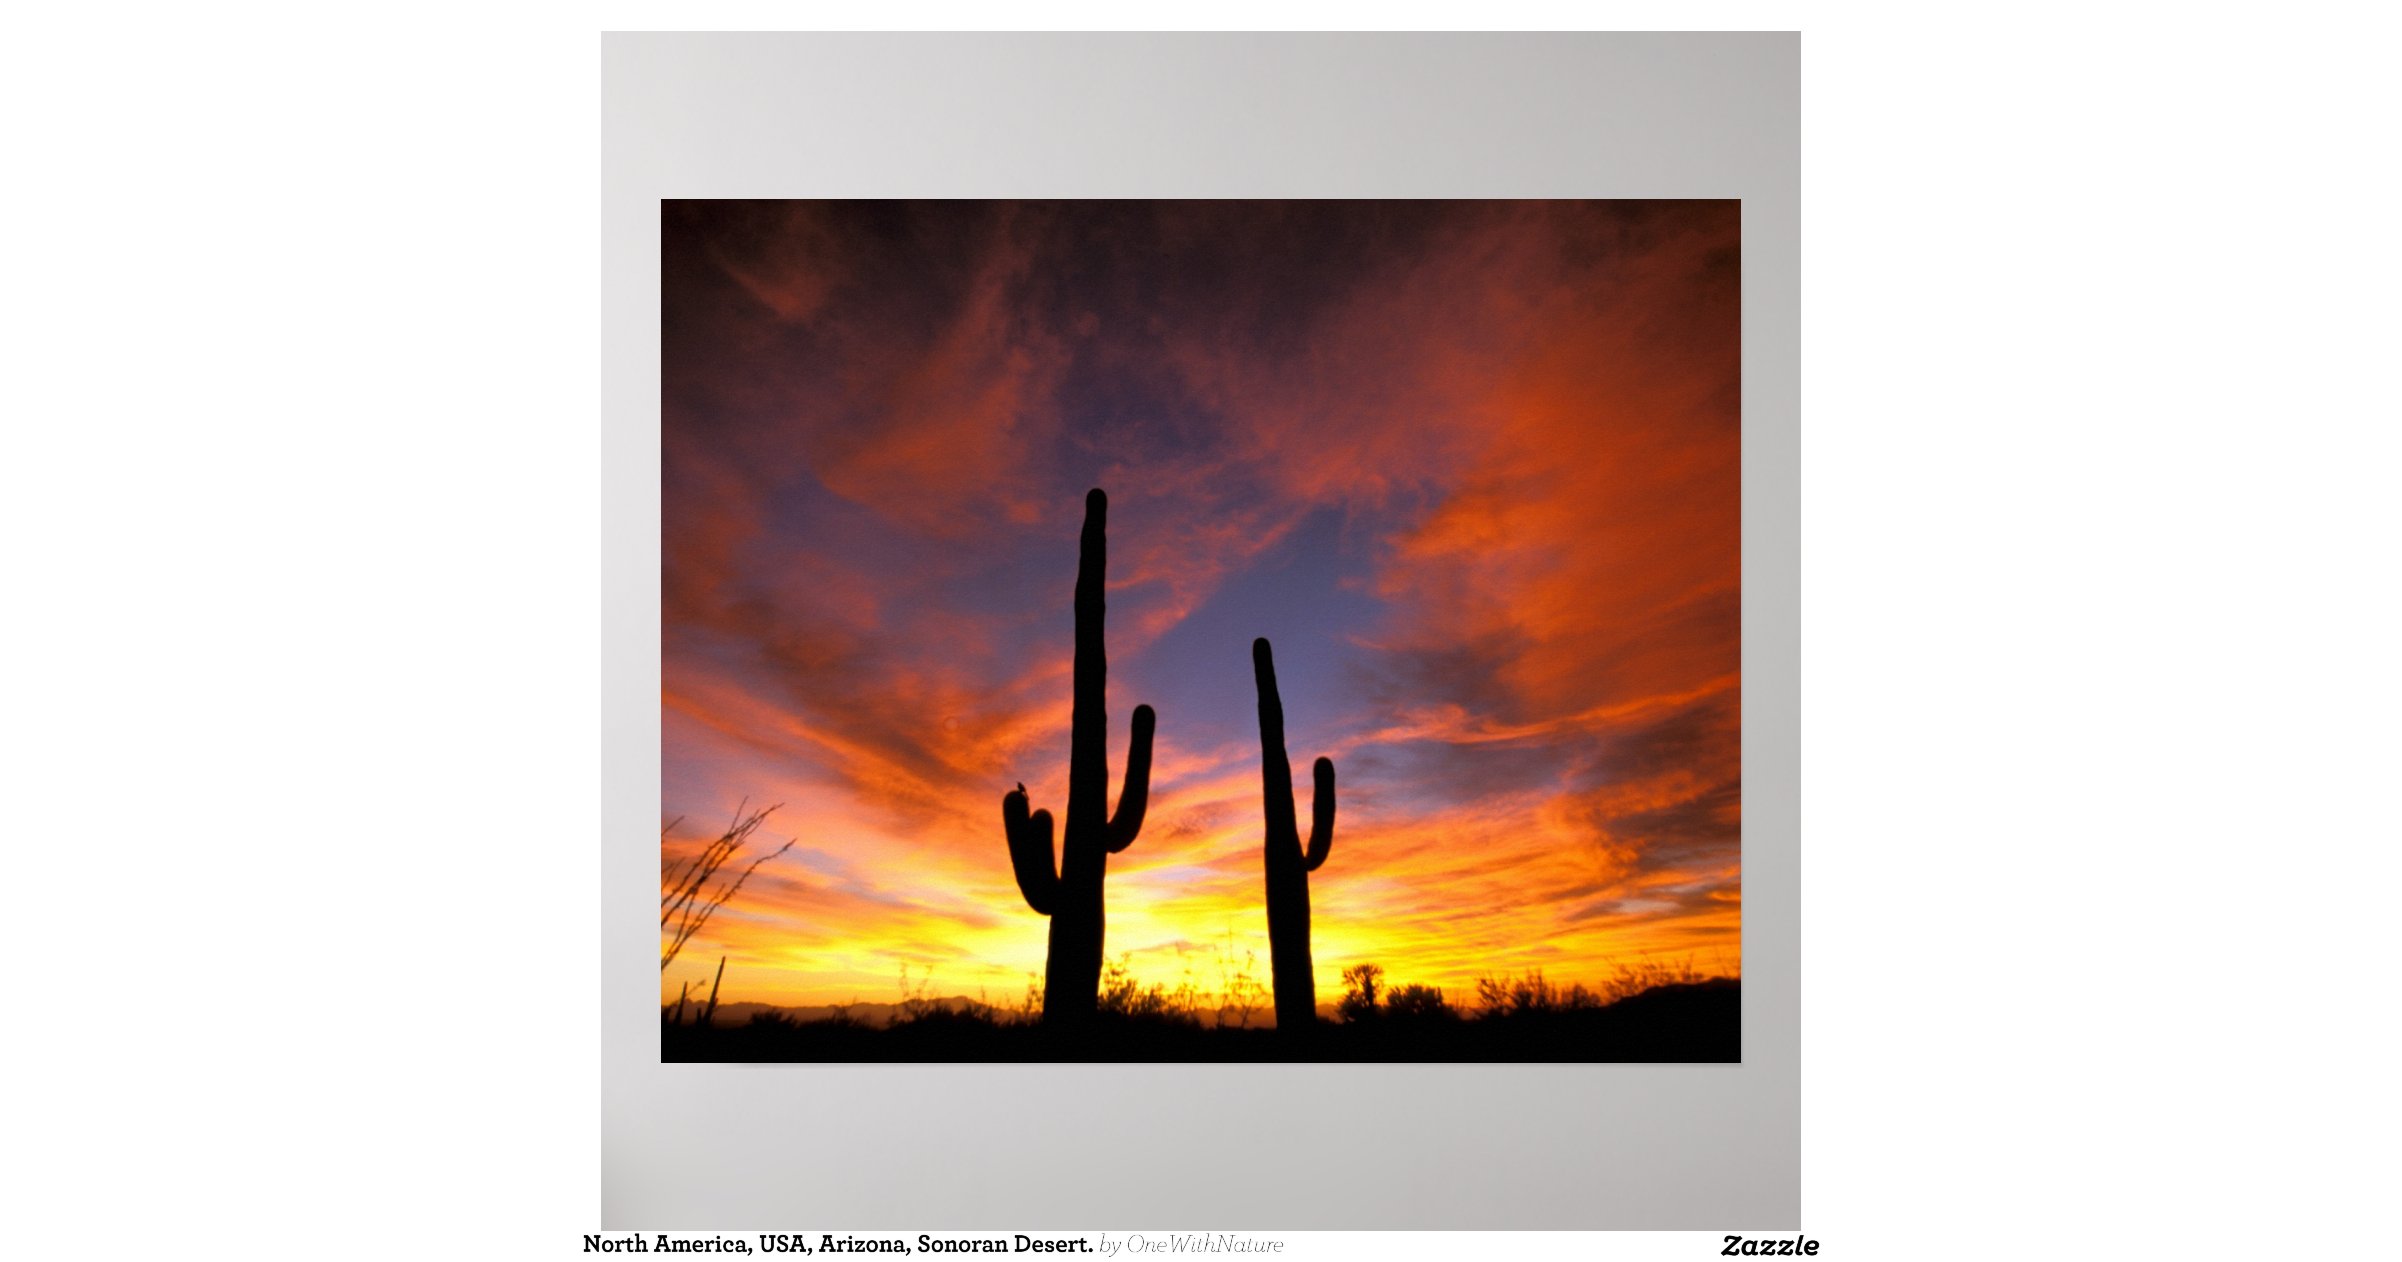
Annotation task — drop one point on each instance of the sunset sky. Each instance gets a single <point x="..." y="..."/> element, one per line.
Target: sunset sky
<point x="1471" y="466"/>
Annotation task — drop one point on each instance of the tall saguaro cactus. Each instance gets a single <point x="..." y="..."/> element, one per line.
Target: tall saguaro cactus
<point x="1288" y="865"/>
<point x="1071" y="897"/>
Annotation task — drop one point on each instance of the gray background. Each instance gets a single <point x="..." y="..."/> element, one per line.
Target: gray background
<point x="1259" y="1146"/>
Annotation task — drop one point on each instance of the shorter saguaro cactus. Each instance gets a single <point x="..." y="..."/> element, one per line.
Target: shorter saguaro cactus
<point x="1288" y="866"/>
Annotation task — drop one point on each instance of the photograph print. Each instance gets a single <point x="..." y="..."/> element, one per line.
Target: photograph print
<point x="1201" y="631"/>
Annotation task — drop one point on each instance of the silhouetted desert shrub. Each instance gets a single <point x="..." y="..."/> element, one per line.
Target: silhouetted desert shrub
<point x="917" y="1001"/>
<point x="1127" y="999"/>
<point x="1634" y="979"/>
<point x="687" y="900"/>
<point x="1529" y="994"/>
<point x="1414" y="1002"/>
<point x="1240" y="992"/>
<point x="1361" y="986"/>
<point x="970" y="1015"/>
<point x="1366" y="998"/>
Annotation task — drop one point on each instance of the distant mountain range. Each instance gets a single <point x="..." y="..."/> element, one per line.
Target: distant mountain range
<point x="881" y="1014"/>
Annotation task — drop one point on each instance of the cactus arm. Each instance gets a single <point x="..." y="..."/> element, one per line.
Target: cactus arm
<point x="1321" y="815"/>
<point x="1030" y="851"/>
<point x="1131" y="800"/>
